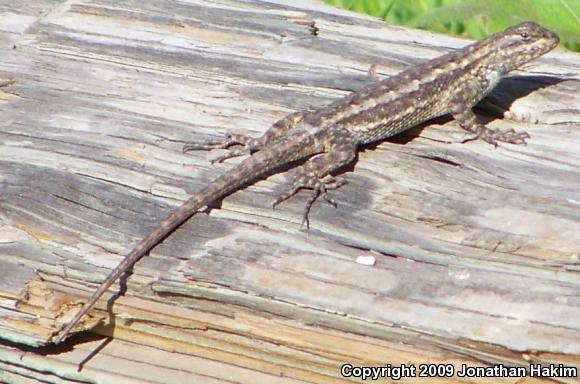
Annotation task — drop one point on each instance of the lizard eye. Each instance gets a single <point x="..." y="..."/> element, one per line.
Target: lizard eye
<point x="525" y="35"/>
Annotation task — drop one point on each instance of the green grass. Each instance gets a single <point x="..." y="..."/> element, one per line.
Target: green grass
<point x="475" y="18"/>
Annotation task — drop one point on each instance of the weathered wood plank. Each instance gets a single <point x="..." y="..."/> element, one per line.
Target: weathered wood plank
<point x="477" y="248"/>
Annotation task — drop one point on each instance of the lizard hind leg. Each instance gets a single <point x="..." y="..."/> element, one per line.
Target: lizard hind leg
<point x="234" y="144"/>
<point x="315" y="175"/>
<point x="240" y="145"/>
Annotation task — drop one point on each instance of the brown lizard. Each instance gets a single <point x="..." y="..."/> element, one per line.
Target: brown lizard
<point x="329" y="137"/>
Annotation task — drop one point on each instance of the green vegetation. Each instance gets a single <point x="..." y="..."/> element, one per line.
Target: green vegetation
<point x="475" y="18"/>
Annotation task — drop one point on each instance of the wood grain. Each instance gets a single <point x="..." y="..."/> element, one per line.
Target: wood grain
<point x="476" y="248"/>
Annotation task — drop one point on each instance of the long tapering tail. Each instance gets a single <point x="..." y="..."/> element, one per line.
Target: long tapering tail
<point x="250" y="169"/>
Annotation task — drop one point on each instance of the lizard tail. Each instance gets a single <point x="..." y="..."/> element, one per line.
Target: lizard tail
<point x="250" y="169"/>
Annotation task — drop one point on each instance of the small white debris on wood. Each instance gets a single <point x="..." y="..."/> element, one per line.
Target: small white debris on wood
<point x="366" y="260"/>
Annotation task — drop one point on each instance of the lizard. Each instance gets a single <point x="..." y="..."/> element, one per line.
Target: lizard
<point x="327" y="138"/>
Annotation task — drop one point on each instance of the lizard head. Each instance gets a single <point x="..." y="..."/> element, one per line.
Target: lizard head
<point x="524" y="42"/>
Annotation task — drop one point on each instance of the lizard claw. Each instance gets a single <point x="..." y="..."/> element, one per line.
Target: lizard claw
<point x="242" y="145"/>
<point x="506" y="136"/>
<point x="319" y="187"/>
<point x="493" y="136"/>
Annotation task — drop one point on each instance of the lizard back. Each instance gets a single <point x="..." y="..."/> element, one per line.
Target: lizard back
<point x="424" y="92"/>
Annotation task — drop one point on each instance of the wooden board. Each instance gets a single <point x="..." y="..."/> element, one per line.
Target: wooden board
<point x="476" y="247"/>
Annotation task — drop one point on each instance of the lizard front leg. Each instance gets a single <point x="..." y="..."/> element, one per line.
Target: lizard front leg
<point x="464" y="115"/>
<point x="468" y="121"/>
<point x="315" y="173"/>
<point x="239" y="145"/>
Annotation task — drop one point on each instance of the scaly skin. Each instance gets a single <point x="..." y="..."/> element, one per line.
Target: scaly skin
<point x="452" y="83"/>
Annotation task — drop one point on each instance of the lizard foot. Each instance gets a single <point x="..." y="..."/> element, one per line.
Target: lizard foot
<point x="234" y="144"/>
<point x="319" y="186"/>
<point x="492" y="136"/>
